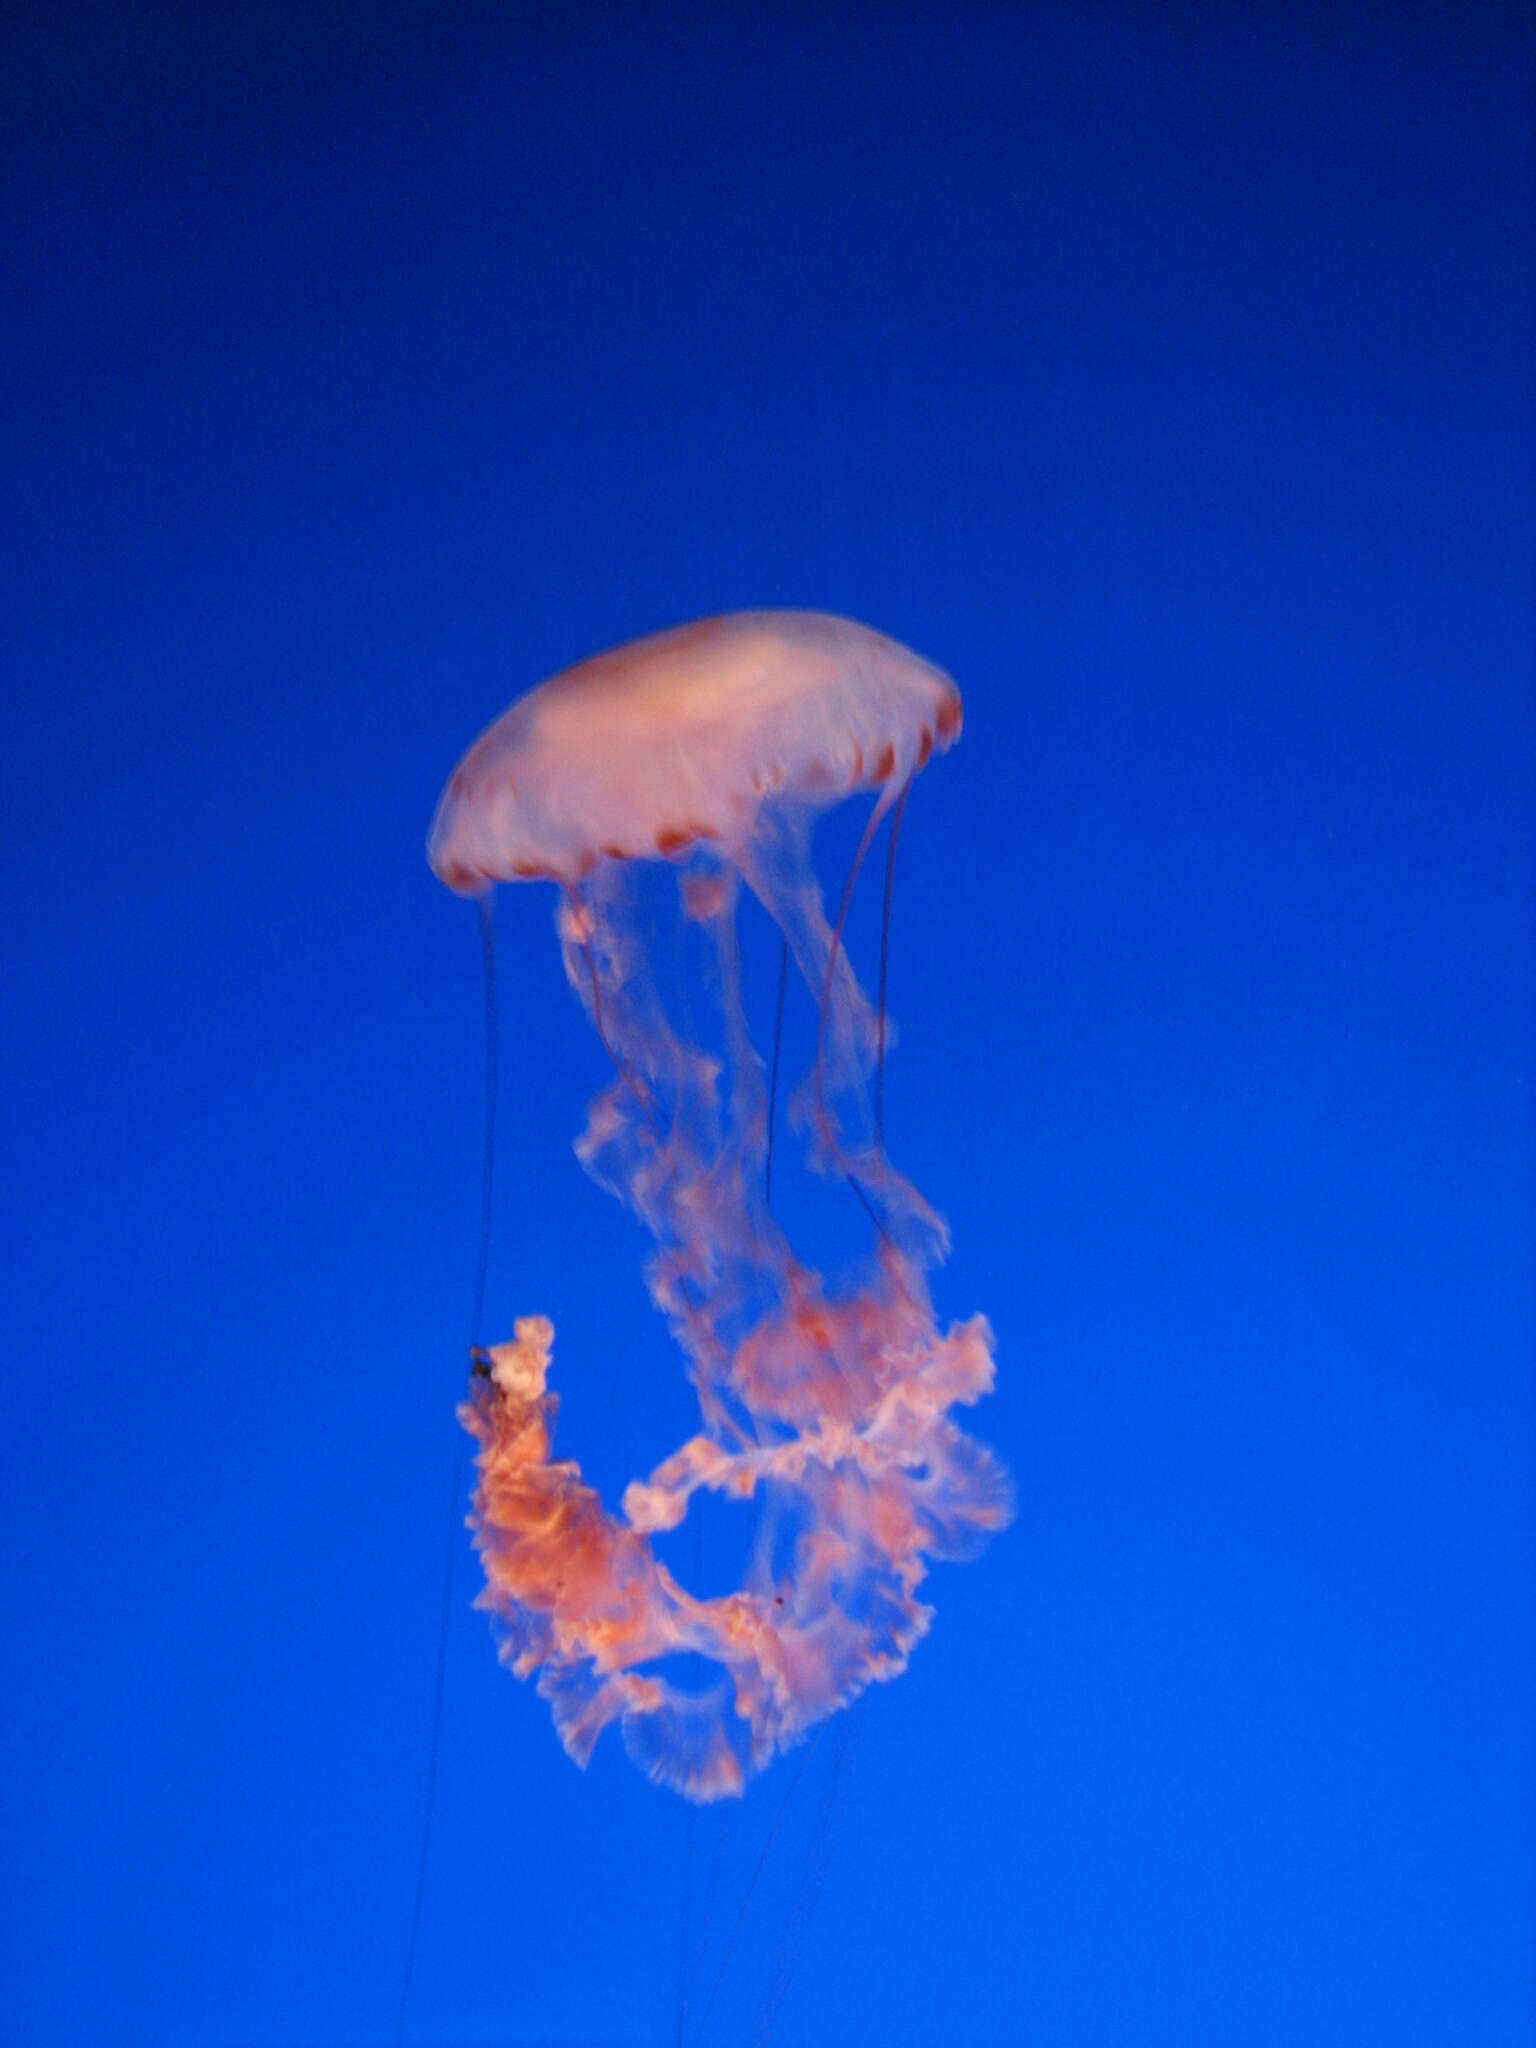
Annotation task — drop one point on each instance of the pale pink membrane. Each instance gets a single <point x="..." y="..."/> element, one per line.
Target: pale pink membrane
<point x="711" y="746"/>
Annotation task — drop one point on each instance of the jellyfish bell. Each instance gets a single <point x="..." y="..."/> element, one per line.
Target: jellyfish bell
<point x="709" y="748"/>
<point x="684" y="737"/>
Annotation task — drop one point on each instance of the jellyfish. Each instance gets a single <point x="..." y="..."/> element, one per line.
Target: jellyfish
<point x="708" y="750"/>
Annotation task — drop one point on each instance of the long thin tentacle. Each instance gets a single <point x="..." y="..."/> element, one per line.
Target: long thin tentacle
<point x="885" y="942"/>
<point x="823" y="1121"/>
<point x="773" y="1073"/>
<point x="455" y="1498"/>
<point x="762" y="1861"/>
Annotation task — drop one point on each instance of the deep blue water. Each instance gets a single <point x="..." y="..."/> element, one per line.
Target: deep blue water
<point x="1166" y="374"/>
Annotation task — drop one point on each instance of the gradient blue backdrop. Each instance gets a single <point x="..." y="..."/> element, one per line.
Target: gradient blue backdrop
<point x="1166" y="374"/>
